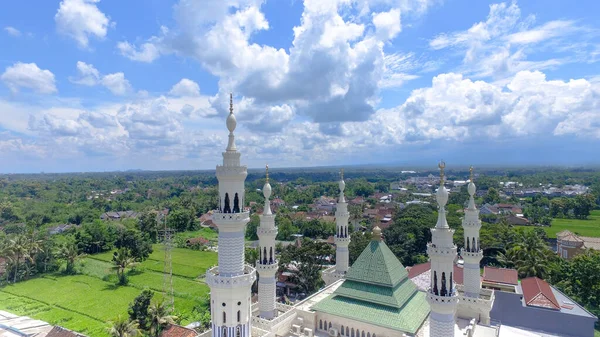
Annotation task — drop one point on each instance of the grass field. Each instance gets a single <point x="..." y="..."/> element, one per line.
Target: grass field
<point x="87" y="301"/>
<point x="588" y="227"/>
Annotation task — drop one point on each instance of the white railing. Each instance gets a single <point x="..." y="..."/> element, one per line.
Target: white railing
<point x="267" y="324"/>
<point x="214" y="279"/>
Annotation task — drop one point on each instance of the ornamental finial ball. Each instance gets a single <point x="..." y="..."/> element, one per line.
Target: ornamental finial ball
<point x="442" y="165"/>
<point x="471" y="187"/>
<point x="231" y="121"/>
<point x="376" y="233"/>
<point x="267" y="186"/>
<point x="342" y="182"/>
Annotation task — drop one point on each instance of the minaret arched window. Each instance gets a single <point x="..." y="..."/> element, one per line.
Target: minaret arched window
<point x="265" y="256"/>
<point x="271" y="255"/>
<point x="346" y="232"/>
<point x="224" y="317"/>
<point x="451" y="283"/>
<point x="435" y="287"/>
<point x="320" y="324"/>
<point x="227" y="207"/>
<point x="224" y="332"/>
<point x="444" y="291"/>
<point x="239" y="316"/>
<point x="348" y="331"/>
<point x="238" y="332"/>
<point x="325" y="325"/>
<point x="236" y="204"/>
<point x="363" y="333"/>
<point x="329" y="325"/>
<point x="259" y="254"/>
<point x="473" y="246"/>
<point x="342" y="330"/>
<point x="468" y="246"/>
<point x="352" y="332"/>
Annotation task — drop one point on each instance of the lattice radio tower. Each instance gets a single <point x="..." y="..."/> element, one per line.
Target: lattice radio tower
<point x="167" y="237"/>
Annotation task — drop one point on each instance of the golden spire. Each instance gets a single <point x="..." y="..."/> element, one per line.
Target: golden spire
<point x="230" y="103"/>
<point x="442" y="165"/>
<point x="342" y="174"/>
<point x="376" y="234"/>
<point x="471" y="173"/>
<point x="267" y="172"/>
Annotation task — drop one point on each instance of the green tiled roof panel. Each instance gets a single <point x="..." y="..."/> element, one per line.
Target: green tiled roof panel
<point x="377" y="265"/>
<point x="395" y="297"/>
<point x="408" y="319"/>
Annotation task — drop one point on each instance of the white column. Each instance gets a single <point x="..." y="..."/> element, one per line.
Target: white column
<point x="231" y="280"/>
<point x="472" y="252"/>
<point x="342" y="237"/>
<point x="441" y="294"/>
<point x="267" y="262"/>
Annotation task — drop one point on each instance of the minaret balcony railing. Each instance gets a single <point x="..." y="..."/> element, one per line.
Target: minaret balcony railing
<point x="266" y="231"/>
<point x="447" y="302"/>
<point x="486" y="296"/>
<point x="268" y="267"/>
<point x="432" y="249"/>
<point x="473" y="255"/>
<point x="224" y="171"/>
<point x="214" y="279"/>
<point x="341" y="239"/>
<point x="472" y="224"/>
<point x="218" y="217"/>
<point x="342" y="214"/>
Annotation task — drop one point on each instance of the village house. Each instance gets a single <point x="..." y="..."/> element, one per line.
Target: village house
<point x="118" y="215"/>
<point x="569" y="244"/>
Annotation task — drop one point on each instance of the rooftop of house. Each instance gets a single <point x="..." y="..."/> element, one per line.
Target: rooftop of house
<point x="178" y="331"/>
<point x="538" y="293"/>
<point x="500" y="275"/>
<point x="588" y="242"/>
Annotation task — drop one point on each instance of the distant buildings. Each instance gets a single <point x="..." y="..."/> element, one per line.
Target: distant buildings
<point x="118" y="215"/>
<point x="21" y="326"/>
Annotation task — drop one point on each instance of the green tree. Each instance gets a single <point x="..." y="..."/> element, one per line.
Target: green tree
<point x="358" y="242"/>
<point x="159" y="317"/>
<point x="69" y="253"/>
<point x="121" y="261"/>
<point x="285" y="228"/>
<point x="251" y="228"/>
<point x="583" y="204"/>
<point x="492" y="196"/>
<point x="147" y="223"/>
<point x="121" y="327"/>
<point x="529" y="255"/>
<point x="19" y="248"/>
<point x="138" y="244"/>
<point x="304" y="263"/>
<point x="138" y="309"/>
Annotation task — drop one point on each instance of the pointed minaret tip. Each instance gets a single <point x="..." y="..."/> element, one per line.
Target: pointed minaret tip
<point x="442" y="198"/>
<point x="342" y="186"/>
<point x="230" y="102"/>
<point x="267" y="193"/>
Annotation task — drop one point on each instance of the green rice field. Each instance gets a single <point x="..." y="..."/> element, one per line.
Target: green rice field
<point x="588" y="227"/>
<point x="87" y="301"/>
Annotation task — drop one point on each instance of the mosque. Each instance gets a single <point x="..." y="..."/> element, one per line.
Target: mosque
<point x="375" y="297"/>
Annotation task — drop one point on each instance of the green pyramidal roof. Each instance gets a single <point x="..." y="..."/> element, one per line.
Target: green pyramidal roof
<point x="377" y="265"/>
<point x="377" y="291"/>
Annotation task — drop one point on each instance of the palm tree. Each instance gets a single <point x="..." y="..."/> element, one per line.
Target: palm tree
<point x="122" y="327"/>
<point x="159" y="317"/>
<point x="69" y="253"/>
<point x="122" y="260"/>
<point x="33" y="247"/>
<point x="529" y="254"/>
<point x="19" y="247"/>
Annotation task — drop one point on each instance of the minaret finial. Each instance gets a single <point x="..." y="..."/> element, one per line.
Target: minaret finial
<point x="471" y="173"/>
<point x="231" y="103"/>
<point x="342" y="173"/>
<point x="267" y="168"/>
<point x="442" y="165"/>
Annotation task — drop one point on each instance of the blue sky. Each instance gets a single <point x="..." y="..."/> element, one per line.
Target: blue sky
<point x="89" y="85"/>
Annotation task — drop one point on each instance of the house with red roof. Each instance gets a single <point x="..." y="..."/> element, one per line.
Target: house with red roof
<point x="503" y="279"/>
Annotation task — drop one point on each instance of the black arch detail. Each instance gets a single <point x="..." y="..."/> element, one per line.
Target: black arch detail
<point x="227" y="207"/>
<point x="236" y="204"/>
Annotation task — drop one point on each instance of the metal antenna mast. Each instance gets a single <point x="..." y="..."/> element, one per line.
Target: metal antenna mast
<point x="167" y="236"/>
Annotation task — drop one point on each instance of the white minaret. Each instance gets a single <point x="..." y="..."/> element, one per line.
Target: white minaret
<point x="230" y="282"/>
<point x="342" y="239"/>
<point x="472" y="253"/>
<point x="267" y="263"/>
<point x="441" y="295"/>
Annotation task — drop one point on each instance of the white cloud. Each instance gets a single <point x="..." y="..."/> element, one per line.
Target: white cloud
<point x="499" y="47"/>
<point x="387" y="24"/>
<point x="116" y="83"/>
<point x="12" y="31"/>
<point x="147" y="52"/>
<point x="80" y="20"/>
<point x="88" y="75"/>
<point x="29" y="75"/>
<point x="185" y="87"/>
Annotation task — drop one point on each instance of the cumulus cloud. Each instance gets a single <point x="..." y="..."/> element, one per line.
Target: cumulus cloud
<point x="12" y="31"/>
<point x="88" y="75"/>
<point x="500" y="45"/>
<point x="185" y="87"/>
<point x="30" y="76"/>
<point x="80" y="20"/>
<point x="331" y="73"/>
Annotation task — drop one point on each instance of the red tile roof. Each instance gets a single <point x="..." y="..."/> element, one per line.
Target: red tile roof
<point x="538" y="293"/>
<point x="58" y="331"/>
<point x="500" y="275"/>
<point x="418" y="269"/>
<point x="178" y="331"/>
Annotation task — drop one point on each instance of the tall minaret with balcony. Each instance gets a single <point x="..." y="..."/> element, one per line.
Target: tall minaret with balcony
<point x="230" y="282"/>
<point x="267" y="263"/>
<point x="441" y="295"/>
<point x="474" y="302"/>
<point x="472" y="252"/>
<point x="342" y="239"/>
